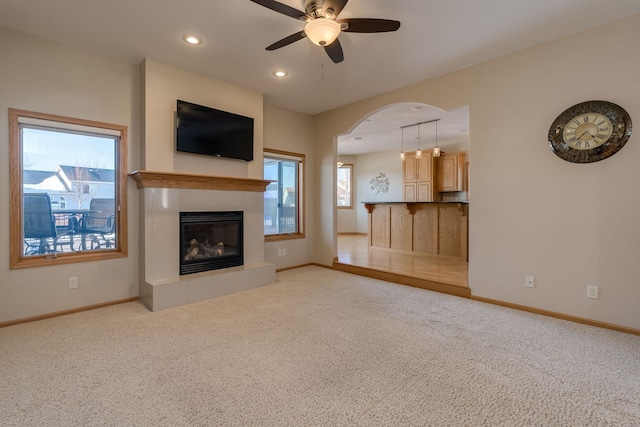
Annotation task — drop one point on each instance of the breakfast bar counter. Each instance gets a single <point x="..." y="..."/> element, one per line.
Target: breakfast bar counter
<point x="425" y="228"/>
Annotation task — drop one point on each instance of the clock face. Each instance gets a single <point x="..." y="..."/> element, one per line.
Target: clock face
<point x="589" y="132"/>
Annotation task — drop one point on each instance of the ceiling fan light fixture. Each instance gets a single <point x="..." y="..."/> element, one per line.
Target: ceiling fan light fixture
<point x="322" y="31"/>
<point x="330" y="14"/>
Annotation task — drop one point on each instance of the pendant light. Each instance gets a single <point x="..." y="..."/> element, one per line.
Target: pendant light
<point x="436" y="149"/>
<point x="418" y="151"/>
<point x="402" y="150"/>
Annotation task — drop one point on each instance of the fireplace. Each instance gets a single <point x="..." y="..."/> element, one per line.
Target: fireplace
<point x="210" y="241"/>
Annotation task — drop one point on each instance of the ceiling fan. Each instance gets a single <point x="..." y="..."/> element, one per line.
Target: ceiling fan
<point x="322" y="26"/>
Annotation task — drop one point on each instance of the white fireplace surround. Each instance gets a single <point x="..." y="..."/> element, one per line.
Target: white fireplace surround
<point x="165" y="195"/>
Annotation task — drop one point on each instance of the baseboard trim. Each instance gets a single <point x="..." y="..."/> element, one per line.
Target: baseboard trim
<point x="65" y="312"/>
<point x="315" y="264"/>
<point x="560" y="316"/>
<point x="278" y="270"/>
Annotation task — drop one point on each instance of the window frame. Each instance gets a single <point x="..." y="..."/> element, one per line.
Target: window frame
<point x="350" y="167"/>
<point x="300" y="194"/>
<point x="17" y="260"/>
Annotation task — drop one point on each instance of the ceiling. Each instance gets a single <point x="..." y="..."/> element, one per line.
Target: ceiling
<point x="435" y="37"/>
<point x="383" y="130"/>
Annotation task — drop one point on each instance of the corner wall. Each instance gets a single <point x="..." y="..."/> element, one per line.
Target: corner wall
<point x="531" y="213"/>
<point x="47" y="77"/>
<point x="292" y="131"/>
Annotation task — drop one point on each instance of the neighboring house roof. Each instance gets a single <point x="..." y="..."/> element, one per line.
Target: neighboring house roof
<point x="35" y="177"/>
<point x="79" y="173"/>
<point x="44" y="180"/>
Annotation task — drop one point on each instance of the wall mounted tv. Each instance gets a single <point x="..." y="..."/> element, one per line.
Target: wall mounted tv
<point x="205" y="130"/>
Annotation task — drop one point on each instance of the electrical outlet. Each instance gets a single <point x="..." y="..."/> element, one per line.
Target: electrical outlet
<point x="592" y="292"/>
<point x="279" y="252"/>
<point x="529" y="281"/>
<point x="284" y="251"/>
<point x="73" y="283"/>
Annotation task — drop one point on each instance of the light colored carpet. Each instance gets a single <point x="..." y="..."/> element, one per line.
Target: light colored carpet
<point x="318" y="348"/>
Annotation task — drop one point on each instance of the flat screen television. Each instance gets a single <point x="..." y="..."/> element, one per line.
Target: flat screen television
<point x="205" y="130"/>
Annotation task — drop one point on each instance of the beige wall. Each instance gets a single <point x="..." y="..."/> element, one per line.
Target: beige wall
<point x="43" y="76"/>
<point x="46" y="77"/>
<point x="532" y="213"/>
<point x="291" y="131"/>
<point x="163" y="85"/>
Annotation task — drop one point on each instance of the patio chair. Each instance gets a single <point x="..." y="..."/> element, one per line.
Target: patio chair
<point x="39" y="227"/>
<point x="98" y="225"/>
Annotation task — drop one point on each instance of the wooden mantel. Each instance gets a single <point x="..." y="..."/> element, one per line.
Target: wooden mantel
<point x="151" y="179"/>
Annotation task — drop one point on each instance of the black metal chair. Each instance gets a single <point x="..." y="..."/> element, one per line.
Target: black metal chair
<point x="39" y="227"/>
<point x="99" y="224"/>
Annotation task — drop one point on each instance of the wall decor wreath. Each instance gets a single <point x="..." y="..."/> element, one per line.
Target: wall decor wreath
<point x="379" y="184"/>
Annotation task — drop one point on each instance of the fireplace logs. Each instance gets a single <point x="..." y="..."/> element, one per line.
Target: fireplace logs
<point x="203" y="250"/>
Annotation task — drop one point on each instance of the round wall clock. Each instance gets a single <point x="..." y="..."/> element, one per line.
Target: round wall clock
<point x="589" y="131"/>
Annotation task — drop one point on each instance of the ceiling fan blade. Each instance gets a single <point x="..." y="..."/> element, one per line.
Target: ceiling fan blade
<point x="369" y="25"/>
<point x="335" y="5"/>
<point x="334" y="50"/>
<point x="287" y="40"/>
<point x="282" y="8"/>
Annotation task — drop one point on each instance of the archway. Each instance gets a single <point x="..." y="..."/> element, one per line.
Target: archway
<point x="372" y="146"/>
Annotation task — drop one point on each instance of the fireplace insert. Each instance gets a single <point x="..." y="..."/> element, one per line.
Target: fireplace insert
<point x="210" y="241"/>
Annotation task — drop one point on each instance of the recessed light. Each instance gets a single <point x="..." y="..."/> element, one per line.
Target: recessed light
<point x="416" y="108"/>
<point x="192" y="39"/>
<point x="280" y="73"/>
<point x="356" y="138"/>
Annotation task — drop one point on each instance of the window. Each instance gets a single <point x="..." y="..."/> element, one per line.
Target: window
<point x="345" y="184"/>
<point x="67" y="190"/>
<point x="283" y="198"/>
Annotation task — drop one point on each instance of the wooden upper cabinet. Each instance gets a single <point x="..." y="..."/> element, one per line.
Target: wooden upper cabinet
<point x="451" y="172"/>
<point x="418" y="177"/>
<point x="409" y="167"/>
<point x="425" y="167"/>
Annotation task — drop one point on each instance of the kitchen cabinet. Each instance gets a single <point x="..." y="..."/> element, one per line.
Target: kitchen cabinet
<point x="451" y="172"/>
<point x="418" y="177"/>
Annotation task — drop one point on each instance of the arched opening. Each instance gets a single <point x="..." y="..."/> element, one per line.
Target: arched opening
<point x="371" y="151"/>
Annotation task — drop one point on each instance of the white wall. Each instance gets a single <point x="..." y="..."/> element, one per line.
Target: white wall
<point x="46" y="77"/>
<point x="291" y="131"/>
<point x="570" y="225"/>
